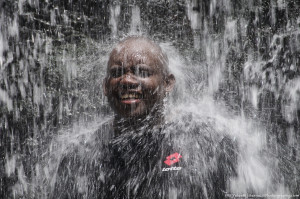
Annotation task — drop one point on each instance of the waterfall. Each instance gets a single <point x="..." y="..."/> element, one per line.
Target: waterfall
<point x="236" y="61"/>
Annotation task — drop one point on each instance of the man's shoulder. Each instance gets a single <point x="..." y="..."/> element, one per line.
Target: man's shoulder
<point x="196" y="126"/>
<point x="89" y="142"/>
<point x="201" y="136"/>
<point x="85" y="154"/>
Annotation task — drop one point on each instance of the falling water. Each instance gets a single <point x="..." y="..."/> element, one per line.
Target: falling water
<point x="235" y="62"/>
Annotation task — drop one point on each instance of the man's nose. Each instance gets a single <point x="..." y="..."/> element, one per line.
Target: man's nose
<point x="129" y="81"/>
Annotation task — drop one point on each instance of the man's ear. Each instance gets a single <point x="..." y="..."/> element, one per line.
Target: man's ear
<point x="170" y="82"/>
<point x="104" y="86"/>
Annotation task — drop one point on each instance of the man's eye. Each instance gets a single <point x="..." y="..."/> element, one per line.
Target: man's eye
<point x="116" y="72"/>
<point x="142" y="73"/>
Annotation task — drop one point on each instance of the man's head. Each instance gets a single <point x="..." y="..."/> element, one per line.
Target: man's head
<point x="137" y="78"/>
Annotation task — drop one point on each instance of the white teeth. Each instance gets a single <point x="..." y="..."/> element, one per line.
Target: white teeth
<point x="124" y="96"/>
<point x="129" y="96"/>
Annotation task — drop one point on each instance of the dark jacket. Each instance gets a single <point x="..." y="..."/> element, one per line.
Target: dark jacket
<point x="178" y="160"/>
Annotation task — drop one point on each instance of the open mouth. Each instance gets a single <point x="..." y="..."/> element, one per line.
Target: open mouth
<point x="130" y="98"/>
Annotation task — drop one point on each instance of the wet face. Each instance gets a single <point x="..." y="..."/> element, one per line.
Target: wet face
<point x="137" y="80"/>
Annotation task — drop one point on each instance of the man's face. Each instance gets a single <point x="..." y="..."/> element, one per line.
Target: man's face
<point x="135" y="84"/>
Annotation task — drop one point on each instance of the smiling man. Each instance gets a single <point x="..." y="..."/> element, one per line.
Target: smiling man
<point x="139" y="154"/>
<point x="137" y="81"/>
<point x="154" y="158"/>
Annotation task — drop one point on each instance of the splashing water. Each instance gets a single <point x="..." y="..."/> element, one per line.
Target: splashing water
<point x="236" y="65"/>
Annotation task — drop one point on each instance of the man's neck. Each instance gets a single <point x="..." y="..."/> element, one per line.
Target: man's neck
<point x="136" y="124"/>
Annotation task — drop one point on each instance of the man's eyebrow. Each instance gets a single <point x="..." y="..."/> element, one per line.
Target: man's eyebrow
<point x="115" y="66"/>
<point x="142" y="65"/>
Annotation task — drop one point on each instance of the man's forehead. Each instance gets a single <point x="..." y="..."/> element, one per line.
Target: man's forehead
<point x="138" y="49"/>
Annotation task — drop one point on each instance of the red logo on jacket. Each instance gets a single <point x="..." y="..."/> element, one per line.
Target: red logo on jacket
<point x="173" y="158"/>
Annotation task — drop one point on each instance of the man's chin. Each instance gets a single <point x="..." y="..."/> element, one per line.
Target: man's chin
<point x="134" y="115"/>
<point x="137" y="114"/>
<point x="130" y="109"/>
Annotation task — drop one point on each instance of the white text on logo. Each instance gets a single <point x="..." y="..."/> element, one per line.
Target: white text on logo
<point x="172" y="169"/>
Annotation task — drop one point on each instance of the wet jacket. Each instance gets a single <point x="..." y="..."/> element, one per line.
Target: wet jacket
<point x="176" y="160"/>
